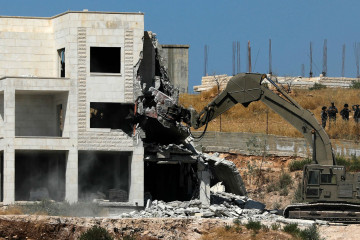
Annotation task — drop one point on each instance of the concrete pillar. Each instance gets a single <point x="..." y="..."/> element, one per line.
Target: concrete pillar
<point x="9" y="152"/>
<point x="136" y="192"/>
<point x="71" y="176"/>
<point x="204" y="191"/>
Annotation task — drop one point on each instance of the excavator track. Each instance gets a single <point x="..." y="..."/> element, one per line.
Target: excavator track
<point x="332" y="212"/>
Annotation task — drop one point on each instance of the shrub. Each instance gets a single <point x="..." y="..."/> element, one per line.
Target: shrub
<point x="96" y="233"/>
<point x="352" y="164"/>
<point x="298" y="193"/>
<point x="285" y="180"/>
<point x="227" y="227"/>
<point x="253" y="225"/>
<point x="355" y="84"/>
<point x="265" y="228"/>
<point x="297" y="165"/>
<point x="272" y="187"/>
<point x="284" y="191"/>
<point x="317" y="86"/>
<point x="292" y="229"/>
<point x="237" y="221"/>
<point x="275" y="226"/>
<point x="310" y="233"/>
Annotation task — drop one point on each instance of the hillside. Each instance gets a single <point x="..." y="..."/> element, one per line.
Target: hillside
<point x="254" y="117"/>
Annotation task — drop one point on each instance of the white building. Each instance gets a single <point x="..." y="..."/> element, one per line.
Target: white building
<point x="52" y="72"/>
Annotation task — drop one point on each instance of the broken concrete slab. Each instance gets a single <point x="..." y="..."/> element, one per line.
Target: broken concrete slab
<point x="251" y="204"/>
<point x="226" y="172"/>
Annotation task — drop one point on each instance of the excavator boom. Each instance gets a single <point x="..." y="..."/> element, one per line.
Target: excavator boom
<point x="245" y="88"/>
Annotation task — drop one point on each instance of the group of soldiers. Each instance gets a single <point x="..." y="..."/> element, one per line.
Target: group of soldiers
<point x="332" y="111"/>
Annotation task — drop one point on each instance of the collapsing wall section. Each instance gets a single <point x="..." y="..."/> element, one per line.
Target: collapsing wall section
<point x="174" y="170"/>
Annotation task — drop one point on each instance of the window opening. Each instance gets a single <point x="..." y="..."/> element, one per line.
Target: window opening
<point x="328" y="179"/>
<point x="105" y="59"/>
<point x="112" y="115"/>
<point x="313" y="178"/>
<point x="61" y="53"/>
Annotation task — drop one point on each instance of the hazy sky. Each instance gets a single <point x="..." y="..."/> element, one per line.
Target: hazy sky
<point x="291" y="24"/>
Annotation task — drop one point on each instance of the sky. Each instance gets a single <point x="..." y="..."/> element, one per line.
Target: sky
<point x="290" y="24"/>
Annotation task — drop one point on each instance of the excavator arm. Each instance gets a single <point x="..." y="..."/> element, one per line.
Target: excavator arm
<point x="245" y="88"/>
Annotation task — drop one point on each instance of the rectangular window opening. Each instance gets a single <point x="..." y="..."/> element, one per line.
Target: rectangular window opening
<point x="112" y="115"/>
<point x="314" y="177"/>
<point x="105" y="59"/>
<point x="328" y="179"/>
<point x="104" y="175"/>
<point x="61" y="54"/>
<point x="40" y="175"/>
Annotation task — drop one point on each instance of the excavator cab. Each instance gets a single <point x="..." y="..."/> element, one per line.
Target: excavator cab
<point x="320" y="182"/>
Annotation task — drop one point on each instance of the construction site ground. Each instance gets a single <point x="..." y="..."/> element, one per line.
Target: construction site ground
<point x="258" y="174"/>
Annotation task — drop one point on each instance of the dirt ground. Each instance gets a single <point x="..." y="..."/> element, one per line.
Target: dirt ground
<point x="46" y="227"/>
<point x="258" y="173"/>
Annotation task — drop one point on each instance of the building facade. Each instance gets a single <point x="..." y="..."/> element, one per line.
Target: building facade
<point x="59" y="76"/>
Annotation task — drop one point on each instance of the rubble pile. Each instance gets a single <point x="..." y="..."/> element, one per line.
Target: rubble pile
<point x="224" y="205"/>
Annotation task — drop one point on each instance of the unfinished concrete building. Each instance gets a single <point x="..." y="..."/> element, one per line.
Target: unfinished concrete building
<point x="53" y="72"/>
<point x="80" y="119"/>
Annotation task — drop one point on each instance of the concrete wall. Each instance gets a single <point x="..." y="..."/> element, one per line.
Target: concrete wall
<point x="177" y="59"/>
<point x="2" y="114"/>
<point x="26" y="47"/>
<point x="35" y="115"/>
<point x="253" y="144"/>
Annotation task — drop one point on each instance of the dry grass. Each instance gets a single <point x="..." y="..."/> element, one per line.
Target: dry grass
<point x="253" y="118"/>
<point x="236" y="233"/>
<point x="11" y="210"/>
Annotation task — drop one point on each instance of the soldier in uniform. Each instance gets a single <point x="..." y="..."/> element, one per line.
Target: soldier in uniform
<point x="356" y="110"/>
<point x="332" y="111"/>
<point x="324" y="116"/>
<point x="345" y="112"/>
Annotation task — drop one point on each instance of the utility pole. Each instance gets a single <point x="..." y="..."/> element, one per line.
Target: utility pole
<point x="302" y="70"/>
<point x="270" y="58"/>
<point x="233" y="58"/>
<point x="311" y="72"/>
<point x="324" y="72"/>
<point x="343" y="61"/>
<point x="249" y="57"/>
<point x="206" y="51"/>
<point x="238" y="57"/>
<point x="357" y="59"/>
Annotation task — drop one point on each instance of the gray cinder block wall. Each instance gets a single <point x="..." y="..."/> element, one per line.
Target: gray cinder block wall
<point x="255" y="143"/>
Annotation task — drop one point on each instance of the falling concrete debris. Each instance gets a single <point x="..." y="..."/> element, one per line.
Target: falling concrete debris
<point x="174" y="169"/>
<point x="226" y="172"/>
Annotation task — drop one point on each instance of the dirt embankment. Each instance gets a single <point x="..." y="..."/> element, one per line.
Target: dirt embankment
<point x="47" y="227"/>
<point x="259" y="174"/>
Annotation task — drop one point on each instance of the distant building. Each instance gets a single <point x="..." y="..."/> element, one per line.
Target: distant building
<point x="208" y="82"/>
